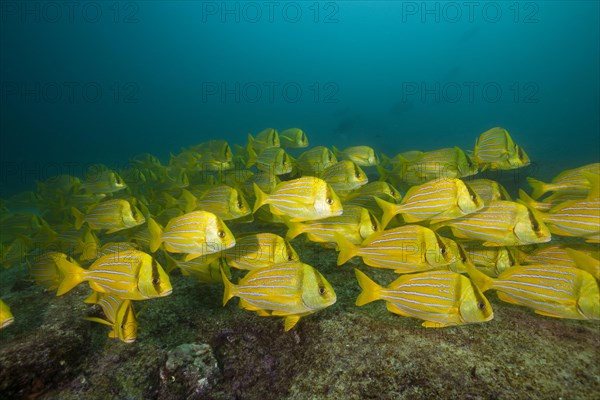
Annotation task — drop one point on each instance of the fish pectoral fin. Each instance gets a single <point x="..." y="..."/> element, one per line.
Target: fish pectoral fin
<point x="409" y="219"/>
<point x="431" y="324"/>
<point x="113" y="230"/>
<point x="507" y="299"/>
<point x="290" y="322"/>
<point x="558" y="231"/>
<point x="263" y="313"/>
<point x="547" y="314"/>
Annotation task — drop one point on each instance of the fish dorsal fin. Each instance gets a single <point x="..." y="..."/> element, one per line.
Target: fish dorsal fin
<point x="594" y="180"/>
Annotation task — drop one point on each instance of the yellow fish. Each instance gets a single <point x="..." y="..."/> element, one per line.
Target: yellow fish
<point x="491" y="260"/>
<point x="495" y="149"/>
<point x="120" y="316"/>
<point x="440" y="298"/>
<point x="132" y="275"/>
<point x="501" y="223"/>
<point x="44" y="269"/>
<point x="293" y="138"/>
<point x="290" y="290"/>
<point x="78" y="242"/>
<point x="409" y="248"/>
<point x="488" y="190"/>
<point x="197" y="233"/>
<point x="586" y="262"/>
<point x="6" y="317"/>
<point x="572" y="180"/>
<point x="101" y="180"/>
<point x="437" y="200"/>
<point x="579" y="218"/>
<point x="264" y="180"/>
<point x="206" y="269"/>
<point x="225" y="202"/>
<point x="275" y="161"/>
<point x="550" y="290"/>
<point x="301" y="199"/>
<point x="315" y="161"/>
<point x="344" y="176"/>
<point x="378" y="189"/>
<point x="260" y="250"/>
<point x="355" y="224"/>
<point x="418" y="167"/>
<point x="112" y="215"/>
<point x="264" y="139"/>
<point x="360" y="155"/>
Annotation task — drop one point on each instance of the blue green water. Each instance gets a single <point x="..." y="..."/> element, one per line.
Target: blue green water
<point x="102" y="81"/>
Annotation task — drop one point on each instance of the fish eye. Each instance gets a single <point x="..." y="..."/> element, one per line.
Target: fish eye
<point x="357" y="175"/>
<point x="221" y="234"/>
<point x="290" y="257"/>
<point x="473" y="197"/>
<point x="239" y="204"/>
<point x="329" y="200"/>
<point x="155" y="281"/>
<point x="443" y="251"/>
<point x="481" y="305"/>
<point x="321" y="290"/>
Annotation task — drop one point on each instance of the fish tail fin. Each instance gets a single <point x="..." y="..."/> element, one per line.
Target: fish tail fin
<point x="171" y="201"/>
<point x="171" y="264"/>
<point x="252" y="156"/>
<point x="189" y="201"/>
<point x="481" y="280"/>
<point x="71" y="275"/>
<point x="371" y="291"/>
<point x="525" y="198"/>
<point x="383" y="173"/>
<point x="336" y="152"/>
<point x="261" y="198"/>
<point x="539" y="188"/>
<point x="389" y="211"/>
<point x="155" y="234"/>
<point x="79" y="217"/>
<point x="294" y="229"/>
<point x="347" y="249"/>
<point x="229" y="290"/>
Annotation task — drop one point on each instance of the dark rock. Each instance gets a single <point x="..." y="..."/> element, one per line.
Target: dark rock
<point x="191" y="372"/>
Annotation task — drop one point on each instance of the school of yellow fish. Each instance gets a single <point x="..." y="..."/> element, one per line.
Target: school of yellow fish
<point x="451" y="237"/>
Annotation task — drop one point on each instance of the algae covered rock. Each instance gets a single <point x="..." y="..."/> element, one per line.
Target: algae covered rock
<point x="191" y="371"/>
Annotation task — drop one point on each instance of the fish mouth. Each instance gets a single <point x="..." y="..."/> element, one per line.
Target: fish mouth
<point x="166" y="293"/>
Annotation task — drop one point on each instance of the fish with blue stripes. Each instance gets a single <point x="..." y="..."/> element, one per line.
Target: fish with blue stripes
<point x="225" y="202"/>
<point x="578" y="218"/>
<point x="409" y="248"/>
<point x="120" y="316"/>
<point x="436" y="201"/>
<point x="259" y="250"/>
<point x="364" y="156"/>
<point x="344" y="176"/>
<point x="293" y="138"/>
<point x="440" y="298"/>
<point x="132" y="275"/>
<point x="550" y="290"/>
<point x="355" y="224"/>
<point x="569" y="181"/>
<point x="500" y="223"/>
<point x="495" y="149"/>
<point x="113" y="215"/>
<point x="196" y="234"/>
<point x="301" y="199"/>
<point x="290" y="290"/>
